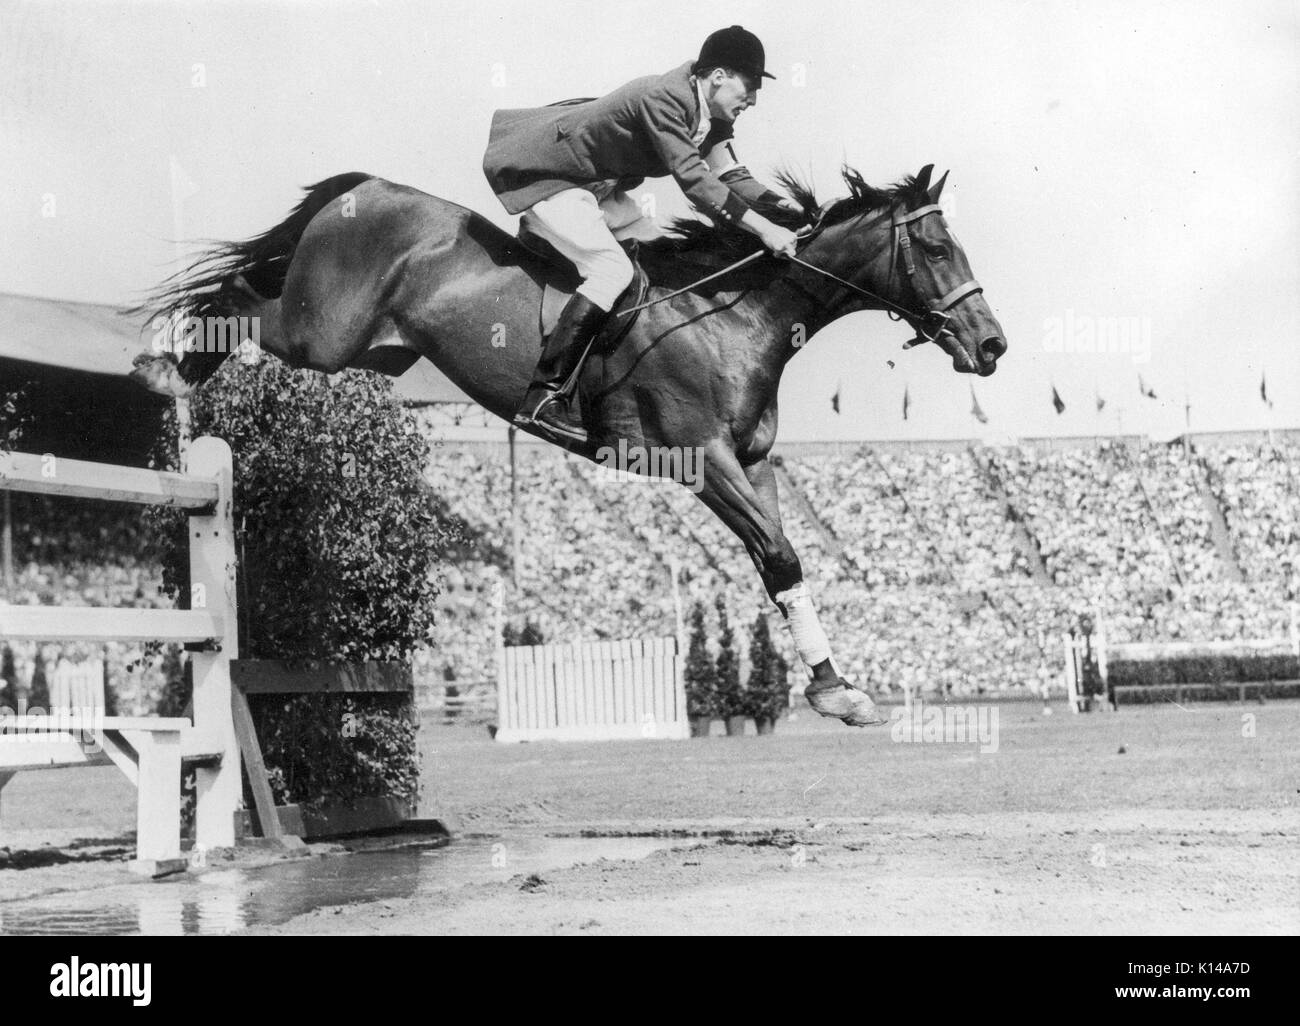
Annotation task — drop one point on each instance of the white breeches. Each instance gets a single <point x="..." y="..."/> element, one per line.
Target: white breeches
<point x="582" y="230"/>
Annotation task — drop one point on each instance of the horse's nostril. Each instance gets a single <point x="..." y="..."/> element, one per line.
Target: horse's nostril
<point x="993" y="347"/>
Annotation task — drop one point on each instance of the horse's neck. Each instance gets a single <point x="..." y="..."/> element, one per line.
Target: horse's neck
<point x="791" y="319"/>
<point x="800" y="306"/>
<point x="825" y="301"/>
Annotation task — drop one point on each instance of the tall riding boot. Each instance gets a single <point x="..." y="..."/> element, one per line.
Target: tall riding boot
<point x="544" y="407"/>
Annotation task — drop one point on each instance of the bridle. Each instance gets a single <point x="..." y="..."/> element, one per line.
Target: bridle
<point x="936" y="317"/>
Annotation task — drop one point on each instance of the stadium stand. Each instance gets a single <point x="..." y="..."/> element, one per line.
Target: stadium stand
<point x="954" y="568"/>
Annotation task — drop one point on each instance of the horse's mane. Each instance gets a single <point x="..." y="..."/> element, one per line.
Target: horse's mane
<point x="709" y="241"/>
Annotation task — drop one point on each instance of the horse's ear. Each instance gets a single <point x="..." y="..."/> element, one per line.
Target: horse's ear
<point x="923" y="179"/>
<point x="937" y="188"/>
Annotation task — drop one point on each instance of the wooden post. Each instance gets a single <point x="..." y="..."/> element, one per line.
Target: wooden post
<point x="184" y="433"/>
<point x="514" y="510"/>
<point x="7" y="547"/>
<point x="5" y="777"/>
<point x="158" y="807"/>
<point x="212" y="587"/>
<point x="679" y="690"/>
<point x="499" y="650"/>
<point x="674" y="571"/>
<point x="1099" y="646"/>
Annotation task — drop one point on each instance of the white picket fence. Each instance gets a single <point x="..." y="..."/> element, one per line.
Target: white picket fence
<point x="78" y="686"/>
<point x="594" y="691"/>
<point x="76" y="698"/>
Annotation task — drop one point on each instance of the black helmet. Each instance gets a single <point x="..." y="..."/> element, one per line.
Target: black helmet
<point x="734" y="48"/>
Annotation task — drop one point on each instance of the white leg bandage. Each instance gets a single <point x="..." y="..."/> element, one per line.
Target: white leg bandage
<point x="809" y="639"/>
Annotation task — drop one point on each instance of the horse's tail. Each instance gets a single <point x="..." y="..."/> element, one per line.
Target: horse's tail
<point x="210" y="285"/>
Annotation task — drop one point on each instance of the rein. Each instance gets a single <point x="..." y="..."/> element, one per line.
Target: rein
<point x="694" y="285"/>
<point x="936" y="317"/>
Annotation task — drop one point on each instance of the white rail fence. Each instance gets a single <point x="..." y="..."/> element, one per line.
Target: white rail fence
<point x="149" y="750"/>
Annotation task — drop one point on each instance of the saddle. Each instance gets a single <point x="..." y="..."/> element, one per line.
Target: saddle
<point x="560" y="288"/>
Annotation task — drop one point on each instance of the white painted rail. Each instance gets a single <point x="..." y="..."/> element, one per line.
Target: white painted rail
<point x="100" y="623"/>
<point x="52" y="475"/>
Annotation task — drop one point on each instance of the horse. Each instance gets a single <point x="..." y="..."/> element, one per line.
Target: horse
<point x="371" y="274"/>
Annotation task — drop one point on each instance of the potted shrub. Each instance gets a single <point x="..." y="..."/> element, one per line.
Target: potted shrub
<point x="768" y="690"/>
<point x="700" y="678"/>
<point x="731" y="696"/>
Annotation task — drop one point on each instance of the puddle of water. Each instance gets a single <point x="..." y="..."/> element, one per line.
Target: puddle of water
<point x="221" y="901"/>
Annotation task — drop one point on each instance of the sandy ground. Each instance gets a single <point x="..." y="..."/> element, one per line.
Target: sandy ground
<point x="1211" y="873"/>
<point x="1192" y="828"/>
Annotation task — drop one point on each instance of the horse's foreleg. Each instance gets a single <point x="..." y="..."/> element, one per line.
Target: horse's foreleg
<point x="828" y="693"/>
<point x="745" y="500"/>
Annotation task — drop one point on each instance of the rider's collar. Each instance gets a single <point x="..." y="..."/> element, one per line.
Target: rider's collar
<point x="702" y="129"/>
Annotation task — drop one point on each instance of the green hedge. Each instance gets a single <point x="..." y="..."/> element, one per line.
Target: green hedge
<point x="1209" y="669"/>
<point x="338" y="538"/>
<point x="1155" y="693"/>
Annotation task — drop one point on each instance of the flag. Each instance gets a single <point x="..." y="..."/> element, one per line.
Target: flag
<point x="1263" y="392"/>
<point x="835" y="400"/>
<point x="1057" y="401"/>
<point x="975" y="410"/>
<point x="1101" y="403"/>
<point x="1150" y="393"/>
<point x="907" y="401"/>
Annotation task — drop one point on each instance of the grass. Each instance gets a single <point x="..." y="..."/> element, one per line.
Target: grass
<point x="1211" y="757"/>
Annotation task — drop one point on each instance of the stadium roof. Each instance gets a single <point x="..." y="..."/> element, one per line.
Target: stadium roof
<point x="90" y="337"/>
<point x="99" y="339"/>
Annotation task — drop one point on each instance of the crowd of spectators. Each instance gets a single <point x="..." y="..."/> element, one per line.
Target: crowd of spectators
<point x="1258" y="489"/>
<point x="79" y="552"/>
<point x="928" y="566"/>
<point x="862" y="506"/>
<point x="1089" y="513"/>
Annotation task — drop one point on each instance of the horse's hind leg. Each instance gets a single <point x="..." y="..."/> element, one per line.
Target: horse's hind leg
<point x="745" y="499"/>
<point x="209" y="341"/>
<point x="330" y="310"/>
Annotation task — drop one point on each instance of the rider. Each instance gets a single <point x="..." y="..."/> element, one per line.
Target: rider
<point x="567" y="168"/>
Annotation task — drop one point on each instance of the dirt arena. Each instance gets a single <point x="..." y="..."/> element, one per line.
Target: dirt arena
<point x="1191" y="828"/>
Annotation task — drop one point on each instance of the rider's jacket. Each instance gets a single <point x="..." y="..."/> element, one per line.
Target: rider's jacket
<point x="645" y="129"/>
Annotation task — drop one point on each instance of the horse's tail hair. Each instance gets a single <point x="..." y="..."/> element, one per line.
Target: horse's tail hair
<point x="207" y="286"/>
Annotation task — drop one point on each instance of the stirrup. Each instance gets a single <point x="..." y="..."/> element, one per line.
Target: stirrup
<point x="529" y="412"/>
<point x="558" y="426"/>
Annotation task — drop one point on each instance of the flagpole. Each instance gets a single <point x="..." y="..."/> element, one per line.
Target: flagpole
<point x="1187" y="413"/>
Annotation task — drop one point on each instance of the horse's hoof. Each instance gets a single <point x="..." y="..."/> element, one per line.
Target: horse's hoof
<point x="159" y="375"/>
<point x="844" y="702"/>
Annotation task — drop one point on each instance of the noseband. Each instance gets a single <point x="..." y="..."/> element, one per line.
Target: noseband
<point x="933" y="322"/>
